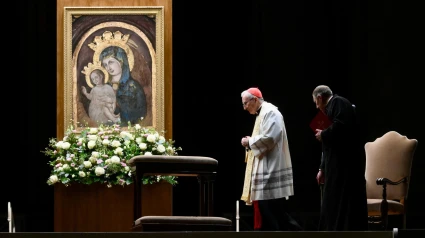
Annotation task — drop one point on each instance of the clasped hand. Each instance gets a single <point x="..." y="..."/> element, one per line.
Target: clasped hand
<point x="318" y="134"/>
<point x="245" y="141"/>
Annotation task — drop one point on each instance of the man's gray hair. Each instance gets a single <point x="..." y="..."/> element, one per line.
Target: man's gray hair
<point x="322" y="90"/>
<point x="249" y="95"/>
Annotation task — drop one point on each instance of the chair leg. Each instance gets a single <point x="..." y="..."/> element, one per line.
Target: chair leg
<point x="404" y="221"/>
<point x="384" y="214"/>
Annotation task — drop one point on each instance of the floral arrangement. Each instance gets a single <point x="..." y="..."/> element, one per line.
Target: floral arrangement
<point x="100" y="155"/>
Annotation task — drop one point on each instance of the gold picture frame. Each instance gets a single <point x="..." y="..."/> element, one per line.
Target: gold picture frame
<point x="94" y="39"/>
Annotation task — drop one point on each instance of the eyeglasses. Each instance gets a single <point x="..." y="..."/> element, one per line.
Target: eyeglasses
<point x="245" y="103"/>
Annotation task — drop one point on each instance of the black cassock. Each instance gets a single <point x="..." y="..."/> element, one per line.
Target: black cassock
<point x="344" y="202"/>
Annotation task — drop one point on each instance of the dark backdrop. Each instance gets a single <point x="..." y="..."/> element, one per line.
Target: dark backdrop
<point x="368" y="51"/>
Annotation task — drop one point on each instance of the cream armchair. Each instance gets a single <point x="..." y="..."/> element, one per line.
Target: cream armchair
<point x="388" y="167"/>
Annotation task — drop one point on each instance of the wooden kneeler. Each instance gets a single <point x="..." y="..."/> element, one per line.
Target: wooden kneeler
<point x="203" y="168"/>
<point x="181" y="223"/>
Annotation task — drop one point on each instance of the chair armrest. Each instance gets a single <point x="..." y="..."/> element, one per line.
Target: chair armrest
<point x="384" y="203"/>
<point x="385" y="181"/>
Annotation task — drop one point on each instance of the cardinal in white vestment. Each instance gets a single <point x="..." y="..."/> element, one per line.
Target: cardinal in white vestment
<point x="268" y="177"/>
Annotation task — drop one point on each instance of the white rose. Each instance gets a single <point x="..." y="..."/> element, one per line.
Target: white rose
<point x="115" y="159"/>
<point x="161" y="148"/>
<point x="139" y="140"/>
<point x="66" y="145"/>
<point x="95" y="154"/>
<point x="92" y="137"/>
<point x="148" y="153"/>
<point x="82" y="174"/>
<point x="99" y="171"/>
<point x="118" y="151"/>
<point x="92" y="159"/>
<point x="59" y="144"/>
<point x="91" y="144"/>
<point x="161" y="139"/>
<point x="106" y="142"/>
<point x="123" y="134"/>
<point x="116" y="143"/>
<point x="126" y="168"/>
<point x="87" y="164"/>
<point x="143" y="146"/>
<point x="65" y="167"/>
<point x="80" y="140"/>
<point x="93" y="130"/>
<point x="130" y="136"/>
<point x="137" y="126"/>
<point x="151" y="138"/>
<point x="127" y="142"/>
<point x="53" y="179"/>
<point x="170" y="150"/>
<point x="108" y="161"/>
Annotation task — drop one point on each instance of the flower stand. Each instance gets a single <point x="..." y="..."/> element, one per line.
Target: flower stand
<point x="97" y="208"/>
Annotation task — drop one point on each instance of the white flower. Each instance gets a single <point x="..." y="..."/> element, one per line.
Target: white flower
<point x="106" y="142"/>
<point x="82" y="174"/>
<point x="95" y="154"/>
<point x="66" y="145"/>
<point x="161" y="140"/>
<point x="127" y="142"/>
<point x="170" y="150"/>
<point x="130" y="136"/>
<point x="53" y="179"/>
<point x="137" y="126"/>
<point x="91" y="144"/>
<point x="92" y="160"/>
<point x="87" y="164"/>
<point x="143" y="146"/>
<point x="151" y="138"/>
<point x="65" y="167"/>
<point x="123" y="134"/>
<point x="99" y="171"/>
<point x="127" y="168"/>
<point x="118" y="151"/>
<point x="93" y="130"/>
<point x="59" y="144"/>
<point x="148" y="153"/>
<point x="161" y="148"/>
<point x="139" y="140"/>
<point x="115" y="159"/>
<point x="116" y="143"/>
<point x="92" y="137"/>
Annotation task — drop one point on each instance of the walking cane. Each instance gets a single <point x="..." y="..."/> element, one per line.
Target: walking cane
<point x="321" y="186"/>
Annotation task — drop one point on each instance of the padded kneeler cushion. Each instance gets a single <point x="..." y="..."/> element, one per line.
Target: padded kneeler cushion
<point x="182" y="223"/>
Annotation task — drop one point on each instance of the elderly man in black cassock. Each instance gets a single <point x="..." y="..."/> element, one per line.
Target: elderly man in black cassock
<point x="342" y="170"/>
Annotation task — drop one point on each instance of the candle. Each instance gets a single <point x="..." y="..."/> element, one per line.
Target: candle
<point x="237" y="215"/>
<point x="237" y="208"/>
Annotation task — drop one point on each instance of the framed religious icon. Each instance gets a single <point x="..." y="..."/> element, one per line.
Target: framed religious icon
<point x="114" y="66"/>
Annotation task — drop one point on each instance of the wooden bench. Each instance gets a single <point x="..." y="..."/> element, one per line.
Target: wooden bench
<point x="203" y="168"/>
